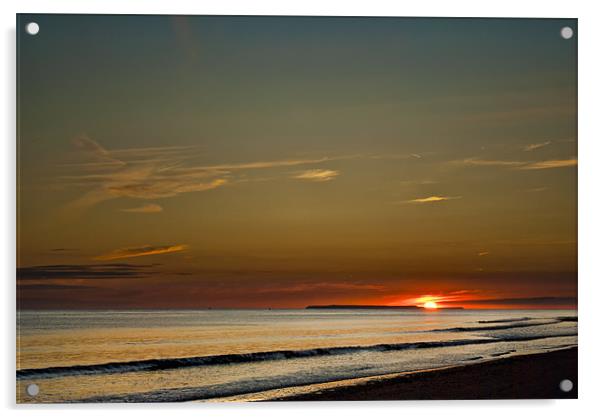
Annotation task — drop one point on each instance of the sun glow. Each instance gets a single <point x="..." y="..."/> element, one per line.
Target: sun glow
<point x="430" y="305"/>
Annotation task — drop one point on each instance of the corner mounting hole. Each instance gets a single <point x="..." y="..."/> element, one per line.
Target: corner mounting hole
<point x="32" y="28"/>
<point x="32" y="389"/>
<point x="566" y="385"/>
<point x="566" y="32"/>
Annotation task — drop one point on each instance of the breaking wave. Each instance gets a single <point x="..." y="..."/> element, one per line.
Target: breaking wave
<point x="225" y="359"/>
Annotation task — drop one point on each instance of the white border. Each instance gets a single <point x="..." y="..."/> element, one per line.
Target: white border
<point x="590" y="202"/>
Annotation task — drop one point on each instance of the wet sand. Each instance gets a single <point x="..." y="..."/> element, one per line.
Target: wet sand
<point x="535" y="376"/>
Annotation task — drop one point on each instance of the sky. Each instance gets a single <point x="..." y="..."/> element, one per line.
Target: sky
<point x="240" y="162"/>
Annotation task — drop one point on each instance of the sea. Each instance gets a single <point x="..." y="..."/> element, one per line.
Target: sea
<point x="248" y="355"/>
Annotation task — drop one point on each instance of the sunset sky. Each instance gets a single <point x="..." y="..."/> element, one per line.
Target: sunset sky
<point x="192" y="162"/>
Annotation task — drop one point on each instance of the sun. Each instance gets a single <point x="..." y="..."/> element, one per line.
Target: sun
<point x="430" y="305"/>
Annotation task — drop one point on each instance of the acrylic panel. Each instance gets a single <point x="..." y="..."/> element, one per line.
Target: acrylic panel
<point x="245" y="208"/>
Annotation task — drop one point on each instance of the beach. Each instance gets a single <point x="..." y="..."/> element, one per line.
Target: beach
<point x="534" y="376"/>
<point x="259" y="355"/>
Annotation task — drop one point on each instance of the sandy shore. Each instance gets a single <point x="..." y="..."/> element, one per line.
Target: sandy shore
<point x="535" y="376"/>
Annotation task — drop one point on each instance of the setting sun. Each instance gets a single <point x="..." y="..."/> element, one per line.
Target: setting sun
<point x="430" y="305"/>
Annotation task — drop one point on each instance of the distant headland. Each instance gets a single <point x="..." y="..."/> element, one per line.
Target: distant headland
<point x="393" y="307"/>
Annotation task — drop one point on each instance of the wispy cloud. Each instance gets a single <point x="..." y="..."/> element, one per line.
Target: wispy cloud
<point x="539" y="301"/>
<point x="433" y="199"/>
<point x="140" y="251"/>
<point x="397" y="156"/>
<point x="84" y="271"/>
<point x="143" y="173"/>
<point x="418" y="182"/>
<point x="317" y="175"/>
<point x="94" y="151"/>
<point x="453" y="296"/>
<point x="533" y="147"/>
<point x="271" y="164"/>
<point x="308" y="287"/>
<point x="544" y="165"/>
<point x="162" y="172"/>
<point x="483" y="253"/>
<point x="150" y="208"/>
<point x="519" y="165"/>
<point x="35" y="287"/>
<point x="484" y="162"/>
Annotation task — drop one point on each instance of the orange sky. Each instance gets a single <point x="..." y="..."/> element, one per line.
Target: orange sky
<point x="282" y="162"/>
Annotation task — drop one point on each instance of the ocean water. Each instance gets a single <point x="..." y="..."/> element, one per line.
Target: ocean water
<point x="170" y="356"/>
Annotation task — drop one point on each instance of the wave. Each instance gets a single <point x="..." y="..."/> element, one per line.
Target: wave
<point x="496" y="321"/>
<point x="567" y="318"/>
<point x="495" y="327"/>
<point x="508" y="324"/>
<point x="226" y="359"/>
<point x="503" y="353"/>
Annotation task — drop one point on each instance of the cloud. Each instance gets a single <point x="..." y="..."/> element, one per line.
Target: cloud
<point x="536" y="301"/>
<point x="150" y="208"/>
<point x="417" y="182"/>
<point x="433" y="199"/>
<point x="519" y="165"/>
<point x="162" y="189"/>
<point x="543" y="165"/>
<point x="146" y="250"/>
<point x="94" y="151"/>
<point x="395" y="156"/>
<point x="481" y="162"/>
<point x="317" y="175"/>
<point x="450" y="297"/>
<point x="311" y="287"/>
<point x="471" y="297"/>
<point x="269" y="164"/>
<point x="483" y="253"/>
<point x="161" y="172"/>
<point x="44" y="287"/>
<point x="142" y="173"/>
<point x="84" y="271"/>
<point x="533" y="147"/>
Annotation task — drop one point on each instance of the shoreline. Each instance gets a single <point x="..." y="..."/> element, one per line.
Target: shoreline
<point x="529" y="376"/>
